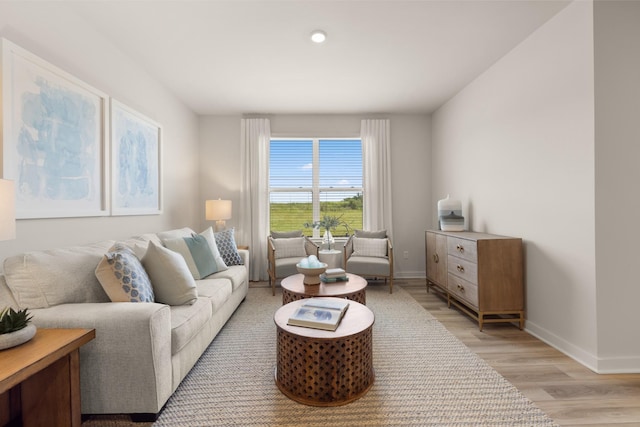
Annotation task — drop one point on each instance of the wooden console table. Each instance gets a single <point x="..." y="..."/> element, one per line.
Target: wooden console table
<point x="40" y="379"/>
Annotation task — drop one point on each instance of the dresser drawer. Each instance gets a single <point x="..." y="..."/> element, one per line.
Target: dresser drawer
<point x="462" y="268"/>
<point x="462" y="248"/>
<point x="463" y="290"/>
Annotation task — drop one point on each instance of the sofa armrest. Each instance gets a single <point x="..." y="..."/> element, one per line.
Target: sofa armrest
<point x="244" y="254"/>
<point x="127" y="367"/>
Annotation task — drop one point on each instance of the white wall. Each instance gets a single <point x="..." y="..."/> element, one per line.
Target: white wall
<point x="66" y="41"/>
<point x="517" y="147"/>
<point x="617" y="148"/>
<point x="410" y="139"/>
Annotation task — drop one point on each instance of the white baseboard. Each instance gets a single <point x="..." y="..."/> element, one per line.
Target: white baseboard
<point x="607" y="365"/>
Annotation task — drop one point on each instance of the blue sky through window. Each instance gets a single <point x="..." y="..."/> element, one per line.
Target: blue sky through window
<point x="291" y="166"/>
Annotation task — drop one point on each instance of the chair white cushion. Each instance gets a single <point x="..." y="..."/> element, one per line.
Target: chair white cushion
<point x="289" y="247"/>
<point x="368" y="266"/>
<point x="369" y="247"/>
<point x="286" y="267"/>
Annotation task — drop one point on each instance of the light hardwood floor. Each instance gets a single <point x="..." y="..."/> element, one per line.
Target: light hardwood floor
<point x="568" y="392"/>
<point x="564" y="389"/>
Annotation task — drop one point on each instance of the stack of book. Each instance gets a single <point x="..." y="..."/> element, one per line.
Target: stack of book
<point x="318" y="313"/>
<point x="334" y="275"/>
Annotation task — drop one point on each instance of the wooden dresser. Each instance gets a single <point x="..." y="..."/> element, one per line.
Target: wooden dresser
<point x="481" y="274"/>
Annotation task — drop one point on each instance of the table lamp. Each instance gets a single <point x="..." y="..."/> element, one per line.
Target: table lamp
<point x="7" y="210"/>
<point x="218" y="211"/>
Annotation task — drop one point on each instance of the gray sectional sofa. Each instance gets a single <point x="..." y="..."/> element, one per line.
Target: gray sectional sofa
<point x="142" y="351"/>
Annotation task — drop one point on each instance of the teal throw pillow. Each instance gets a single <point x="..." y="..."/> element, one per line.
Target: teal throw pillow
<point x="196" y="252"/>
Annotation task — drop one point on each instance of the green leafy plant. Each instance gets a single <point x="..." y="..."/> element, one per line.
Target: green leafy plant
<point x="329" y="223"/>
<point x="11" y="320"/>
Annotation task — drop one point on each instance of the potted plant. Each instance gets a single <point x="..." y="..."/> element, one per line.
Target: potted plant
<point x="15" y="327"/>
<point x="329" y="223"/>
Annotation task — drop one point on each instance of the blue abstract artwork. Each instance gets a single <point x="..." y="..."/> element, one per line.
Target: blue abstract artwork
<point x="136" y="162"/>
<point x="53" y="141"/>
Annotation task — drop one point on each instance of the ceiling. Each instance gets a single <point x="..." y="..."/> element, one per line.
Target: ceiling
<point x="229" y="57"/>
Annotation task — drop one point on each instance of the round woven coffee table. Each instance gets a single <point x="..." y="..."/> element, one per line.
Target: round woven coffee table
<point x="294" y="289"/>
<point x="325" y="368"/>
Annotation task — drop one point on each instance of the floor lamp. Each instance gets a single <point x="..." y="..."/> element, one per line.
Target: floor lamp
<point x="7" y="210"/>
<point x="218" y="211"/>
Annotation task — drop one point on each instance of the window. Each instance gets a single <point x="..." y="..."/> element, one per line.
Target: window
<point x="313" y="177"/>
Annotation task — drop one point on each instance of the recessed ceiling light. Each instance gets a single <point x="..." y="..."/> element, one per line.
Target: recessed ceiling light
<point x="318" y="36"/>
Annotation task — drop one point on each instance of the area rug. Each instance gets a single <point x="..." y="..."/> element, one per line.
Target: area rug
<point x="424" y="376"/>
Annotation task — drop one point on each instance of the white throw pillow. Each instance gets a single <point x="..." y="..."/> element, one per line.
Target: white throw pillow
<point x="289" y="247"/>
<point x="369" y="247"/>
<point x="170" y="276"/>
<point x="211" y="240"/>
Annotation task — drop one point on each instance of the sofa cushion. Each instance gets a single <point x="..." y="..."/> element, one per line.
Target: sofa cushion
<point x="172" y="234"/>
<point x="57" y="276"/>
<point x="228" y="249"/>
<point x="170" y="277"/>
<point x="187" y="321"/>
<point x="236" y="273"/>
<point x="196" y="252"/>
<point x="216" y="290"/>
<point x="290" y="247"/>
<point x="369" y="247"/>
<point x="123" y="277"/>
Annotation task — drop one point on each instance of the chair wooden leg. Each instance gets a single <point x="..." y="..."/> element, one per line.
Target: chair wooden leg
<point x="390" y="285"/>
<point x="273" y="286"/>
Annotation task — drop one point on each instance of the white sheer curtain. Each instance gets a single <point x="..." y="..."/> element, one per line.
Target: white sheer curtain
<point x="376" y="165"/>
<point x="255" y="135"/>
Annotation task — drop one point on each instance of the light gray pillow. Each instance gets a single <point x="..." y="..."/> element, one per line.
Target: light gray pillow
<point x="285" y="234"/>
<point x="170" y="276"/>
<point x="369" y="247"/>
<point x="289" y="247"/>
<point x="378" y="234"/>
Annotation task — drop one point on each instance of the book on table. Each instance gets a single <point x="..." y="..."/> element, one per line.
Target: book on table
<point x="319" y="313"/>
<point x="334" y="272"/>
<point x="334" y="279"/>
<point x="334" y="275"/>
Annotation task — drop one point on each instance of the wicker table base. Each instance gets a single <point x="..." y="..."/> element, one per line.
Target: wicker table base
<point x="322" y="368"/>
<point x="353" y="289"/>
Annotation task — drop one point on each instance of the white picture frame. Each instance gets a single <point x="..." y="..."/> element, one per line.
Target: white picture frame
<point x="54" y="138"/>
<point x="136" y="159"/>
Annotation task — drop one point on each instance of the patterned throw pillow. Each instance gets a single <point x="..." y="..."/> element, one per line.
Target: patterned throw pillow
<point x="123" y="277"/>
<point x="227" y="246"/>
<point x="196" y="252"/>
<point x="369" y="247"/>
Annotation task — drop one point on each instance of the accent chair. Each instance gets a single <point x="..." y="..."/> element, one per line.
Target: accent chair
<point x="370" y="254"/>
<point x="284" y="251"/>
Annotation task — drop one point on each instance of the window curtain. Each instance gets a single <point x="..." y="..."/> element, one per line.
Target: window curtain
<point x="254" y="204"/>
<point x="376" y="165"/>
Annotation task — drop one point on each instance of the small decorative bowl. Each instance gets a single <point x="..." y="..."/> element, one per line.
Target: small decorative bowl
<point x="312" y="275"/>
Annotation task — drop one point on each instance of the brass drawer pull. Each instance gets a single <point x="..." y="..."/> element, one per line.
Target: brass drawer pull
<point x="436" y="258"/>
<point x="460" y="248"/>
<point x="461" y="288"/>
<point x="460" y="268"/>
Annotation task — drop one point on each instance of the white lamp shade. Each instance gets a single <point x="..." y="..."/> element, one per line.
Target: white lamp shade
<point x="216" y="210"/>
<point x="7" y="210"/>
